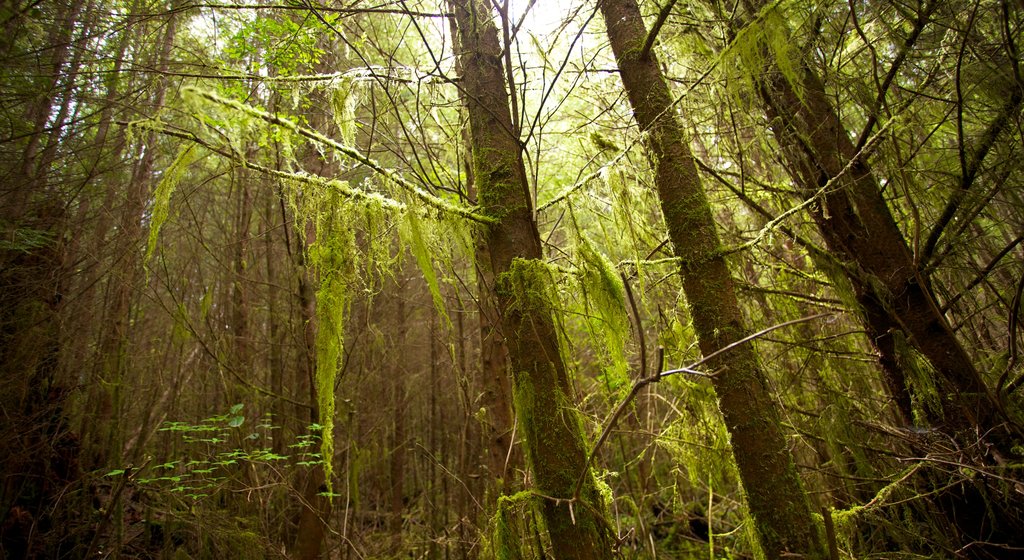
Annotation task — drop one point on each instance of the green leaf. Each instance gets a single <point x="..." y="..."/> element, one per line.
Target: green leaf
<point x="236" y="421"/>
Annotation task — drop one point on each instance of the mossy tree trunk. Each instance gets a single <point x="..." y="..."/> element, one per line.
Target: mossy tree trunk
<point x="774" y="492"/>
<point x="504" y="459"/>
<point x="556" y="453"/>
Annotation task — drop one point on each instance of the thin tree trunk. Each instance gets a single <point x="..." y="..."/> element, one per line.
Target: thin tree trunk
<point x="240" y="264"/>
<point x="103" y="436"/>
<point x="315" y="508"/>
<point x="774" y="493"/>
<point x="543" y="393"/>
<point x="275" y="356"/>
<point x="399" y="400"/>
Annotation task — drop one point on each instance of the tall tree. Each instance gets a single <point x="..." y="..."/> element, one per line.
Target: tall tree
<point x="556" y="452"/>
<point x="774" y="493"/>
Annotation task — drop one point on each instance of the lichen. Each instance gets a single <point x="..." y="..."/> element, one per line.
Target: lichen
<point x="412" y="233"/>
<point x="332" y="257"/>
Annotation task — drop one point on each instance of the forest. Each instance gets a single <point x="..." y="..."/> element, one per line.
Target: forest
<point x="511" y="279"/>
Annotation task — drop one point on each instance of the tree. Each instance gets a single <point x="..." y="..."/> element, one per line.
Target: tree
<point x="774" y="494"/>
<point x="543" y="394"/>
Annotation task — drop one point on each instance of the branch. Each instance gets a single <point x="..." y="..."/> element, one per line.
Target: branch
<point x="831" y="184"/>
<point x="583" y="182"/>
<point x="970" y="172"/>
<point x="657" y="377"/>
<point x="391" y="176"/>
<point x="645" y="53"/>
<point x="983" y="274"/>
<point x="295" y="7"/>
<point x="883" y="89"/>
<point x="346" y="190"/>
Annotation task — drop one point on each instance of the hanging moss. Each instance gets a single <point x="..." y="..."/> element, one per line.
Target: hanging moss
<point x="332" y="256"/>
<point x="334" y="259"/>
<point x="344" y="99"/>
<point x="764" y="42"/>
<point x="413" y="235"/>
<point x="249" y="114"/>
<point x="162" y="198"/>
<point x="925" y="398"/>
<point x="605" y="309"/>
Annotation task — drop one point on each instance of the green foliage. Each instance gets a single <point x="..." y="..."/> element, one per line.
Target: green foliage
<point x="26" y="240"/>
<point x="258" y="45"/>
<point x="217" y="447"/>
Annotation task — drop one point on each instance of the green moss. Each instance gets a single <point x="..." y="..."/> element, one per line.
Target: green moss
<point x="162" y="198"/>
<point x="925" y="395"/>
<point x="508" y="535"/>
<point x="528" y="283"/>
<point x="495" y="175"/>
<point x="413" y="235"/>
<point x="344" y="99"/>
<point x="332" y="257"/>
<point x="604" y="302"/>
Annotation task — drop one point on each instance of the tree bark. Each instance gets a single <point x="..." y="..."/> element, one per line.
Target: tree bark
<point x="543" y="395"/>
<point x="774" y="493"/>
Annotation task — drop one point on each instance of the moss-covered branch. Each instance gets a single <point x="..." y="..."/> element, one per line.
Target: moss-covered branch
<point x="389" y="175"/>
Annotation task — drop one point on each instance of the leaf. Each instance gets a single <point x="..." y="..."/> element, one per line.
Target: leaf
<point x="115" y="472"/>
<point x="236" y="421"/>
<point x="236" y="409"/>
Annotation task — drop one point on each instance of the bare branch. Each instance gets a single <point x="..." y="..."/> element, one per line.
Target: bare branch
<point x="657" y="377"/>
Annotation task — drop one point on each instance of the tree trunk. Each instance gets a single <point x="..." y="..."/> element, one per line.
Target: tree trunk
<point x="315" y="509"/>
<point x="859" y="229"/>
<point x="775" y="496"/>
<point x="543" y="394"/>
<point x="504" y="459"/>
